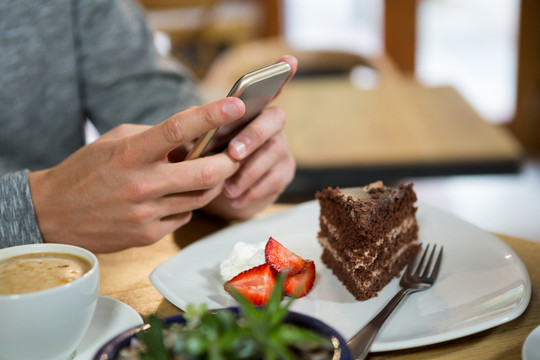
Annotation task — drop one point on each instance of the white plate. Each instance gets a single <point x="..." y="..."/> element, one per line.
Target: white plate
<point x="482" y="282"/>
<point x="531" y="347"/>
<point x="110" y="319"/>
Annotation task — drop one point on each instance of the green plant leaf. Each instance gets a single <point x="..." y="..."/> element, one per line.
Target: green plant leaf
<point x="278" y="349"/>
<point x="153" y="339"/>
<point x="247" y="309"/>
<point x="280" y="313"/>
<point x="290" y="335"/>
<point x="194" y="314"/>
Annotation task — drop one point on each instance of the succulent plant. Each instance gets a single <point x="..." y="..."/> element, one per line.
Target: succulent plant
<point x="257" y="333"/>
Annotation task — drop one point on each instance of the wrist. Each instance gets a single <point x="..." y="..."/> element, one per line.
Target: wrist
<point x="39" y="191"/>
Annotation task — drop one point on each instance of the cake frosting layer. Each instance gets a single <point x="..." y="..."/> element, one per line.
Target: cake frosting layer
<point x="360" y="257"/>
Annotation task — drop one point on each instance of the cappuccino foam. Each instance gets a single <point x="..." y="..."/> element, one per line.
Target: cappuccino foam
<point x="34" y="272"/>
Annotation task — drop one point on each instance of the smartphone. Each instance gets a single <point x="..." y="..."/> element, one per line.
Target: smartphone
<point x="256" y="89"/>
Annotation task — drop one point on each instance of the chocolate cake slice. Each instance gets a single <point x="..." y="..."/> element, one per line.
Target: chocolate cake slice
<point x="368" y="234"/>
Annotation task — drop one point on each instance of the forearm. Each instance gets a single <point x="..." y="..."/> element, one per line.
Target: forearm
<point x="18" y="224"/>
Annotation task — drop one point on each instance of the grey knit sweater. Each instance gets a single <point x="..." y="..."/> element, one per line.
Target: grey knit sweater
<point x="61" y="62"/>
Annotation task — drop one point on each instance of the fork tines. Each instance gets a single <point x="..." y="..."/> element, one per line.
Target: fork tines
<point x="428" y="271"/>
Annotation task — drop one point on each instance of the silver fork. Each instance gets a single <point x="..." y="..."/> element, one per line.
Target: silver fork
<point x="412" y="281"/>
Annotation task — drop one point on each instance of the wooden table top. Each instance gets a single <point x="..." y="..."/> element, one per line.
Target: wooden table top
<point x="336" y="119"/>
<point x="124" y="276"/>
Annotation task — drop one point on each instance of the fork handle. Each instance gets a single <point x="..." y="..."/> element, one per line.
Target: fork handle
<point x="361" y="342"/>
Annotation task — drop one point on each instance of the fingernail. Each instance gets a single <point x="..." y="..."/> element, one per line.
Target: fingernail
<point x="231" y="189"/>
<point x="239" y="147"/>
<point x="232" y="108"/>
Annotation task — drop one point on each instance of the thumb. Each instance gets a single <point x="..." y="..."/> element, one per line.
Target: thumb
<point x="123" y="130"/>
<point x="156" y="142"/>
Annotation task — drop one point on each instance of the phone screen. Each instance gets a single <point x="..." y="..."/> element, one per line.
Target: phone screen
<point x="256" y="89"/>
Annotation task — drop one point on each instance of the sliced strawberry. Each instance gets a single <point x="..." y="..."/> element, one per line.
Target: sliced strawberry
<point x="282" y="259"/>
<point x="300" y="284"/>
<point x="255" y="284"/>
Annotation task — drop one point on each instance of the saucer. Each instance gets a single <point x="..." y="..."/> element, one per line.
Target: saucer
<point x="110" y="319"/>
<point x="531" y="347"/>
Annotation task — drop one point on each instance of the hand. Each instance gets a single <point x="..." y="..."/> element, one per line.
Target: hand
<point x="122" y="191"/>
<point x="267" y="165"/>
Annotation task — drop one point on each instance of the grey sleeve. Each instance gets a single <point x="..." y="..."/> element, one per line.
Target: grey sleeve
<point x="18" y="224"/>
<point x="122" y="77"/>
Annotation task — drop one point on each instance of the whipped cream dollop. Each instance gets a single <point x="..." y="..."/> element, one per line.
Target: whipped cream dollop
<point x="243" y="256"/>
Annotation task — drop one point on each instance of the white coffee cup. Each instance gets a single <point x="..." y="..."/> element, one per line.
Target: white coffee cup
<point x="48" y="324"/>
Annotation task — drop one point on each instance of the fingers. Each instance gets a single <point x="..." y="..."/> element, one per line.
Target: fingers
<point x="151" y="220"/>
<point x="158" y="141"/>
<point x="168" y="179"/>
<point x="173" y="222"/>
<point x="199" y="174"/>
<point x="293" y="63"/>
<point x="269" y="123"/>
<point x="156" y="230"/>
<point x="267" y="189"/>
<point x="267" y="171"/>
<point x="167" y="208"/>
<point x="182" y="202"/>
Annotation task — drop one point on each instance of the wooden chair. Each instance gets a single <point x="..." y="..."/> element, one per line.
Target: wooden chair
<point x="200" y="29"/>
